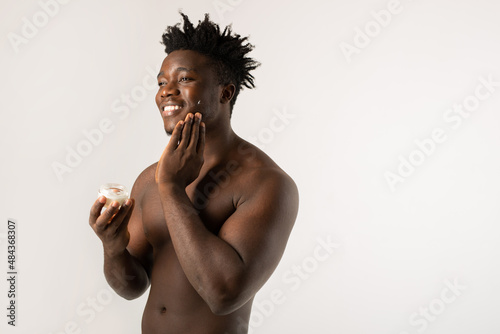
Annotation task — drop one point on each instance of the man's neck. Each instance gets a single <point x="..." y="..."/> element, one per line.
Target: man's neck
<point x="218" y="144"/>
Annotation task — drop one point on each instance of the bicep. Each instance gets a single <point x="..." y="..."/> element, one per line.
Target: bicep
<point x="259" y="228"/>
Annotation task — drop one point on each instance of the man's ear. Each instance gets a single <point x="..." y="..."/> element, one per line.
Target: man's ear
<point x="227" y="93"/>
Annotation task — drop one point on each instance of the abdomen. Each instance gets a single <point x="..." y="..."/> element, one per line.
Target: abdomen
<point x="174" y="306"/>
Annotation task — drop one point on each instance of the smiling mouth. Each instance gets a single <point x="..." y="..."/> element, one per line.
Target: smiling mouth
<point x="170" y="110"/>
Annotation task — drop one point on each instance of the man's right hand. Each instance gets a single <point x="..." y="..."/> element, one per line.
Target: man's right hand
<point x="111" y="225"/>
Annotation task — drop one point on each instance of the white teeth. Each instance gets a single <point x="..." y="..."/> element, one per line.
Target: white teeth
<point x="171" y="108"/>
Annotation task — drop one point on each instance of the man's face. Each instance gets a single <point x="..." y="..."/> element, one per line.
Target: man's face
<point x="187" y="84"/>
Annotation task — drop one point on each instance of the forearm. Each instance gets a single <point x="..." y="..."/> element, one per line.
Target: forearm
<point x="125" y="274"/>
<point x="213" y="267"/>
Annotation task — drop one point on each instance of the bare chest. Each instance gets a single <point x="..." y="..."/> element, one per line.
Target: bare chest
<point x="212" y="198"/>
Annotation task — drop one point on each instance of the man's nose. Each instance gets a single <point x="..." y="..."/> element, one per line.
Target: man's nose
<point x="169" y="90"/>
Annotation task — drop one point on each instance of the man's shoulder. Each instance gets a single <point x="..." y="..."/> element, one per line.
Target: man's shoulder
<point x="258" y="171"/>
<point x="144" y="181"/>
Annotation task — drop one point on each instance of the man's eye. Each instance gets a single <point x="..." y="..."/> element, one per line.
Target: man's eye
<point x="161" y="83"/>
<point x="185" y="79"/>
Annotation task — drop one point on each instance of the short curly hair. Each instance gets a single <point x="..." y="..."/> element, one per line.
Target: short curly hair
<point x="228" y="51"/>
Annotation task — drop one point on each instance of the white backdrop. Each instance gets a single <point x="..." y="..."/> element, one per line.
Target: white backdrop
<point x="385" y="113"/>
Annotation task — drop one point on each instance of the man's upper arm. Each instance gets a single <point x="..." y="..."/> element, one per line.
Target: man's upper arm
<point x="138" y="245"/>
<point x="259" y="228"/>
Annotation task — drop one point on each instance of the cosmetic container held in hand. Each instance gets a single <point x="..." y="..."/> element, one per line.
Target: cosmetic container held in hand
<point x="113" y="192"/>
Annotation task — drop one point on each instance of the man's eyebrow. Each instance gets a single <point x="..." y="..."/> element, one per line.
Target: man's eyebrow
<point x="185" y="69"/>
<point x="178" y="69"/>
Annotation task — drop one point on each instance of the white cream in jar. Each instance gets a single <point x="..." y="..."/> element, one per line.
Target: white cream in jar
<point x="113" y="192"/>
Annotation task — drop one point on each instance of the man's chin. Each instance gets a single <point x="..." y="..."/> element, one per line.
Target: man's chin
<point x="169" y="128"/>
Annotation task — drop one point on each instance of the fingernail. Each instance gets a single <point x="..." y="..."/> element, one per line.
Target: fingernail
<point x="102" y="199"/>
<point x="128" y="202"/>
<point x="115" y="204"/>
<point x="198" y="115"/>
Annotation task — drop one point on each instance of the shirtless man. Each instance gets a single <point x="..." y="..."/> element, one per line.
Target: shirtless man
<point x="208" y="223"/>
